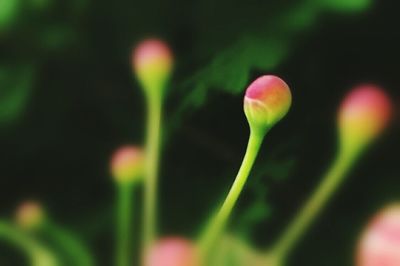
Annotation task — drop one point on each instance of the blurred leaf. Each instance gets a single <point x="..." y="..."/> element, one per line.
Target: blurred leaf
<point x="40" y="5"/>
<point x="231" y="251"/>
<point x="15" y="87"/>
<point x="8" y="12"/>
<point x="259" y="47"/>
<point x="278" y="170"/>
<point x="347" y="5"/>
<point x="259" y="209"/>
<point x="57" y="37"/>
<point x="230" y="70"/>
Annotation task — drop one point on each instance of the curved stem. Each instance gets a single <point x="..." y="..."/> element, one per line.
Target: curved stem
<point x="329" y="184"/>
<point x="39" y="255"/>
<point x="124" y="223"/>
<point x="152" y="163"/>
<point x="69" y="244"/>
<point x="218" y="222"/>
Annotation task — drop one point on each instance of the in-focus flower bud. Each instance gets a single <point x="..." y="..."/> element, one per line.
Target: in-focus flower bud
<point x="380" y="243"/>
<point x="153" y="63"/>
<point x="267" y="101"/>
<point x="172" y="251"/>
<point x="30" y="215"/>
<point x="127" y="164"/>
<point x="363" y="115"/>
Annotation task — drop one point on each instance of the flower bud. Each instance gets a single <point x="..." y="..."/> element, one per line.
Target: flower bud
<point x="363" y="115"/>
<point x="153" y="63"/>
<point x="380" y="243"/>
<point x="127" y="164"/>
<point x="172" y="251"/>
<point x="30" y="215"/>
<point x="267" y="101"/>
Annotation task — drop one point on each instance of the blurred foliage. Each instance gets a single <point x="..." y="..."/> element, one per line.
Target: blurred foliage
<point x="16" y="83"/>
<point x="8" y="13"/>
<point x="347" y="5"/>
<point x="257" y="42"/>
<point x="261" y="43"/>
<point x="232" y="251"/>
<point x="259" y="208"/>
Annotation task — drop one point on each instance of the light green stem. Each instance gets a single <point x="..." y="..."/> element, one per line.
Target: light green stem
<point x="219" y="221"/>
<point x="124" y="224"/>
<point x="312" y="208"/>
<point x="70" y="244"/>
<point x="152" y="164"/>
<point x="39" y="255"/>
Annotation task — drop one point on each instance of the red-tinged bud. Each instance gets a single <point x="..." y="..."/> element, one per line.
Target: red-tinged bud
<point x="380" y="243"/>
<point x="153" y="62"/>
<point x="363" y="115"/>
<point x="30" y="215"/>
<point x="127" y="165"/>
<point x="267" y="101"/>
<point x="172" y="251"/>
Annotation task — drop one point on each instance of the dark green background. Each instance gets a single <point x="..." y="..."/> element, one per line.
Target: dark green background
<point x="66" y="69"/>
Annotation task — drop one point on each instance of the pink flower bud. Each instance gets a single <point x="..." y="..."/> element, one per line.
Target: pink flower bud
<point x="363" y="115"/>
<point x="152" y="61"/>
<point x="380" y="243"/>
<point x="30" y="215"/>
<point x="172" y="251"/>
<point x="267" y="101"/>
<point x="127" y="164"/>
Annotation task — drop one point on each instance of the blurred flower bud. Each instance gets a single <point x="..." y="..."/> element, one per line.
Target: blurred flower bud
<point x="172" y="251"/>
<point x="127" y="164"/>
<point x="380" y="243"/>
<point x="363" y="115"/>
<point x="267" y="101"/>
<point x="152" y="62"/>
<point x="30" y="215"/>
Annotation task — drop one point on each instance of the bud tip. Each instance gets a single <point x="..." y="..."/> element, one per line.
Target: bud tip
<point x="127" y="164"/>
<point x="380" y="243"/>
<point x="267" y="100"/>
<point x="30" y="215"/>
<point x="172" y="251"/>
<point x="152" y="61"/>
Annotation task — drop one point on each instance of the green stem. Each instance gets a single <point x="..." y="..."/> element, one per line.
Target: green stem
<point x="39" y="255"/>
<point x="76" y="252"/>
<point x="152" y="164"/>
<point x="218" y="222"/>
<point x="124" y="223"/>
<point x="312" y="207"/>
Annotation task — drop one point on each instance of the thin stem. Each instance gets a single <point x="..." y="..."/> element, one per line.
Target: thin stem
<point x="124" y="223"/>
<point x="39" y="255"/>
<point x="152" y="164"/>
<point x="218" y="222"/>
<point x="312" y="207"/>
<point x="72" y="247"/>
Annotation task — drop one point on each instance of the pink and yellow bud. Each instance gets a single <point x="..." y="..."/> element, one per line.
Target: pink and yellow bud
<point x="153" y="62"/>
<point x="267" y="101"/>
<point x="30" y="215"/>
<point x="127" y="165"/>
<point x="380" y="243"/>
<point x="172" y="251"/>
<point x="363" y="115"/>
